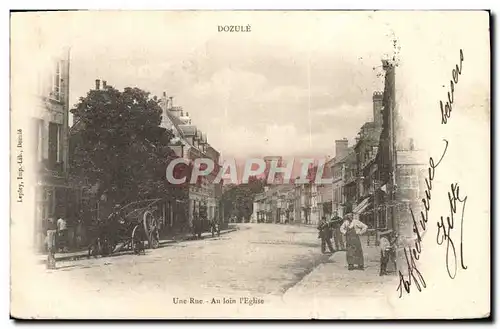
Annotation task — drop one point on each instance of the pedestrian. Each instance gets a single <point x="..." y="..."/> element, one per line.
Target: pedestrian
<point x="51" y="242"/>
<point x="337" y="235"/>
<point x="325" y="234"/>
<point x="81" y="237"/>
<point x="62" y="233"/>
<point x="116" y="216"/>
<point x="214" y="227"/>
<point x="387" y="245"/>
<point x="196" y="226"/>
<point x="352" y="228"/>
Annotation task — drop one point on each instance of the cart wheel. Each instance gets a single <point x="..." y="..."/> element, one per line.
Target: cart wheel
<point x="136" y="242"/>
<point x="150" y="224"/>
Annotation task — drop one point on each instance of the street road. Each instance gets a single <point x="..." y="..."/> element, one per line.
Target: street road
<point x="258" y="260"/>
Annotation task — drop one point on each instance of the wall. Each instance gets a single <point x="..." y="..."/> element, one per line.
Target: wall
<point x="52" y="193"/>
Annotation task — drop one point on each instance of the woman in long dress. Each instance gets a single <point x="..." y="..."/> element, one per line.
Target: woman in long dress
<point x="352" y="228"/>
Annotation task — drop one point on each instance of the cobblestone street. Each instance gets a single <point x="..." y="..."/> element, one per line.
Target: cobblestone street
<point x="271" y="262"/>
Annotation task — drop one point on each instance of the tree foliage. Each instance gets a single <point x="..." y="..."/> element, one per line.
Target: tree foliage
<point x="118" y="143"/>
<point x="238" y="199"/>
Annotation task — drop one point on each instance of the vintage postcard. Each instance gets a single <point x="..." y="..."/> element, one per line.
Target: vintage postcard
<point x="250" y="165"/>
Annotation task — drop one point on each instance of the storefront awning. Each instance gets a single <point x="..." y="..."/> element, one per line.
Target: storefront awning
<point x="362" y="206"/>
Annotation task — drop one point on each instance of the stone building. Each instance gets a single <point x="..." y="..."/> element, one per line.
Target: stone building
<point x="342" y="162"/>
<point x="269" y="162"/>
<point x="366" y="149"/>
<point x="275" y="205"/>
<point x="325" y="192"/>
<point x="400" y="167"/>
<point x="191" y="143"/>
<point x="54" y="195"/>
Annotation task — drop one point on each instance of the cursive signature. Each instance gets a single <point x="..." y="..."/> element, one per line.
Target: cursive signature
<point x="413" y="274"/>
<point x="446" y="110"/>
<point x="445" y="228"/>
<point x="419" y="228"/>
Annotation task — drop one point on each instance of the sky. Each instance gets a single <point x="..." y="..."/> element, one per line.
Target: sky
<point x="292" y="86"/>
<point x="285" y="88"/>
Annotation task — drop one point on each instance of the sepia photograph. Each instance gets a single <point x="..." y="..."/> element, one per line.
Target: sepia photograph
<point x="250" y="164"/>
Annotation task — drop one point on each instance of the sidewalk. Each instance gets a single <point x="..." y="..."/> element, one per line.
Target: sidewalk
<point x="333" y="279"/>
<point x="71" y="256"/>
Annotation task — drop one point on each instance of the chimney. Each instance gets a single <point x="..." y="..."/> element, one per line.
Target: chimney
<point x="377" y="107"/>
<point x="341" y="148"/>
<point x="170" y="103"/>
<point x="164" y="101"/>
<point x="97" y="84"/>
<point x="104" y="84"/>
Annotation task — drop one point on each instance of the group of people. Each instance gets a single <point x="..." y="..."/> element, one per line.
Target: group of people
<point x="198" y="227"/>
<point x="338" y="228"/>
<point x="351" y="229"/>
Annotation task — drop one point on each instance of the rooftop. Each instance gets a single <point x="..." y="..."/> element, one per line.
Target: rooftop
<point x="370" y="124"/>
<point x="188" y="130"/>
<point x="350" y="153"/>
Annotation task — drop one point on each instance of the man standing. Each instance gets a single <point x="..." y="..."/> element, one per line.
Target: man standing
<point x="325" y="233"/>
<point x="337" y="235"/>
<point x="196" y="225"/>
<point x="62" y="233"/>
<point x="214" y="227"/>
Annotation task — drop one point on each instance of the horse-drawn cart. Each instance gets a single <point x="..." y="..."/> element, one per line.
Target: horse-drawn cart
<point x="127" y="228"/>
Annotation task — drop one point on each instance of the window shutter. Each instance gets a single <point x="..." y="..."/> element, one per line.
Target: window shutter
<point x="53" y="144"/>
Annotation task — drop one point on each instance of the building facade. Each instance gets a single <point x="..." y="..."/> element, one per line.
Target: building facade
<point x="275" y="205"/>
<point x="400" y="168"/>
<point x="366" y="150"/>
<point x="269" y="162"/>
<point x="342" y="163"/>
<point x="325" y="193"/>
<point x="190" y="143"/>
<point x="54" y="194"/>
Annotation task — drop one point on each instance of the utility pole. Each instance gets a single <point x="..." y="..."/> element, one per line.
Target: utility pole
<point x="390" y="78"/>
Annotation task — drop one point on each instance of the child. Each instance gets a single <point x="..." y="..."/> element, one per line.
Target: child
<point x="387" y="250"/>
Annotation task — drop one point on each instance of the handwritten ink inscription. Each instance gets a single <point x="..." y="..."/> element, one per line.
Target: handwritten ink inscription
<point x="446" y="110"/>
<point x="445" y="229"/>
<point x="413" y="253"/>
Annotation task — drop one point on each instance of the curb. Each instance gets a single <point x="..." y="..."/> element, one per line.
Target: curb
<point x="84" y="254"/>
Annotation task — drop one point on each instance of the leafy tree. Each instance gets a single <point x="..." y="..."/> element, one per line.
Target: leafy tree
<point x="238" y="199"/>
<point x="117" y="142"/>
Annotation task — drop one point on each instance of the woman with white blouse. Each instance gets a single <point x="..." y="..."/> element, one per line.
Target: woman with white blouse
<point x="352" y="228"/>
